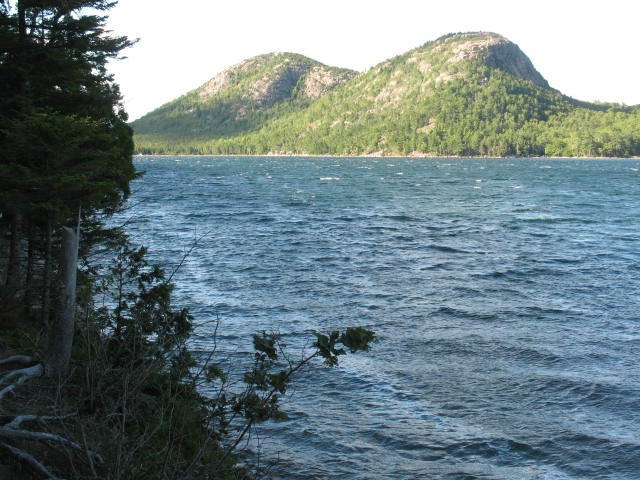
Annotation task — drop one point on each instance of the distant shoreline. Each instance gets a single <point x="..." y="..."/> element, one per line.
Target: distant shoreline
<point x="435" y="157"/>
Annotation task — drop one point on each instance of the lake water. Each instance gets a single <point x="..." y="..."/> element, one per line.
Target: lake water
<point x="505" y="294"/>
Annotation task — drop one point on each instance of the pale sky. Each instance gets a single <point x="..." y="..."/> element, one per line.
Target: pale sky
<point x="586" y="49"/>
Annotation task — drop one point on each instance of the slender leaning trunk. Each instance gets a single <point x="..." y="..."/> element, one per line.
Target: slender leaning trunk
<point x="46" y="280"/>
<point x="63" y="325"/>
<point x="13" y="281"/>
<point x="28" y="294"/>
<point x="22" y="20"/>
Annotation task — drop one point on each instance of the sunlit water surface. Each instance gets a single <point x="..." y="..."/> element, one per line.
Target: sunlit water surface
<point x="505" y="295"/>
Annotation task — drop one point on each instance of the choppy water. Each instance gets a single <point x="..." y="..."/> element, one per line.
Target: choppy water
<point x="505" y="294"/>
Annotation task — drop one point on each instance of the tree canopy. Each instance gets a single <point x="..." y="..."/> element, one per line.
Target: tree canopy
<point x="62" y="127"/>
<point x="65" y="145"/>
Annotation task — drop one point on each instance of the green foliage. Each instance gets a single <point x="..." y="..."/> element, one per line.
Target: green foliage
<point x="268" y="380"/>
<point x="585" y="132"/>
<point x="64" y="141"/>
<point x="139" y="386"/>
<point x="65" y="146"/>
<point x="354" y="339"/>
<point x="265" y="345"/>
<point x="358" y="339"/>
<point x="57" y="163"/>
<point x="135" y="372"/>
<point x="444" y="98"/>
<point x="142" y="322"/>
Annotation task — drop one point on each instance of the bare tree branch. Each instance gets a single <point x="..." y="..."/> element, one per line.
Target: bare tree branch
<point x="22" y="372"/>
<point x="186" y="255"/>
<point x="20" y="419"/>
<point x="23" y="375"/>
<point x="28" y="459"/>
<point x="24" y="359"/>
<point x="16" y="434"/>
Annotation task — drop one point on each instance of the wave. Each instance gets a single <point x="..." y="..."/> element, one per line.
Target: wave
<point x="507" y="321"/>
<point x="460" y="313"/>
<point x="400" y="218"/>
<point x="583" y="392"/>
<point x="448" y="249"/>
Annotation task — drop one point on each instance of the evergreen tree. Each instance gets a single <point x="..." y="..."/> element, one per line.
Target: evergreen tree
<point x="64" y="141"/>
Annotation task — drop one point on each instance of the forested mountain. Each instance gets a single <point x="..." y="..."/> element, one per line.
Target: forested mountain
<point x="462" y="94"/>
<point x="243" y="98"/>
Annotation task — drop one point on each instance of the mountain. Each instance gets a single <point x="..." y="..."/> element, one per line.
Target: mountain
<point x="462" y="94"/>
<point x="243" y="97"/>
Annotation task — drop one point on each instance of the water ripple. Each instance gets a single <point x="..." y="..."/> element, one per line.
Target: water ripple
<point x="505" y="294"/>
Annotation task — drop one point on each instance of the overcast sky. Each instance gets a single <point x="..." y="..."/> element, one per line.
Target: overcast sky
<point x="587" y="49"/>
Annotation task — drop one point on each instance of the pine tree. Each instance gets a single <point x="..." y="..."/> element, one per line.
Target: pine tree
<point x="65" y="145"/>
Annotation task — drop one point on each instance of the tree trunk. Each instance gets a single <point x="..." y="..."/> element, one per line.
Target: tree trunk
<point x="46" y="281"/>
<point x="14" y="267"/>
<point x="28" y="294"/>
<point x="62" y="328"/>
<point x="22" y="21"/>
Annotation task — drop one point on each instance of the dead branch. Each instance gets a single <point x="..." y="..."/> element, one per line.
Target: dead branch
<point x="88" y="453"/>
<point x="45" y="437"/>
<point x="19" y="434"/>
<point x="20" y="419"/>
<point x="22" y="375"/>
<point x="187" y="253"/>
<point x="23" y="359"/>
<point x="28" y="459"/>
<point x="22" y="372"/>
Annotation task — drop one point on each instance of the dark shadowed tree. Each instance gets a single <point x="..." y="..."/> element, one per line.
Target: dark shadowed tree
<point x="65" y="146"/>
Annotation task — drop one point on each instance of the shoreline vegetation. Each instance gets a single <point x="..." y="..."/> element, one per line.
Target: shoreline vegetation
<point x="426" y="157"/>
<point x="96" y="376"/>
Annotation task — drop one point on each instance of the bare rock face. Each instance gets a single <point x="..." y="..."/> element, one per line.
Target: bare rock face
<point x="320" y="80"/>
<point x="507" y="56"/>
<point x="278" y="87"/>
<point x="259" y="83"/>
<point x="217" y="84"/>
<point x="266" y="79"/>
<point x="497" y="52"/>
<point x="291" y="78"/>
